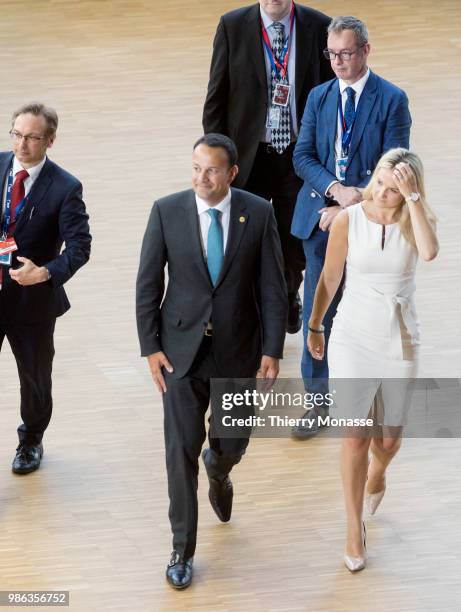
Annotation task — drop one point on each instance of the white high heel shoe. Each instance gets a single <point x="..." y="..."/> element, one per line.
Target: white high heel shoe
<point x="355" y="564"/>
<point x="372" y="500"/>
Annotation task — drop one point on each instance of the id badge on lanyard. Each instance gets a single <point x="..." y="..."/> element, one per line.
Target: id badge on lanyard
<point x="273" y="118"/>
<point x="282" y="89"/>
<point x="8" y="244"/>
<point x="281" y="94"/>
<point x="341" y="162"/>
<point x="341" y="166"/>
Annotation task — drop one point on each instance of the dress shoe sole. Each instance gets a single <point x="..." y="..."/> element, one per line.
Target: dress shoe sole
<point x="178" y="587"/>
<point x="211" y="494"/>
<point x="304" y="436"/>
<point x="24" y="470"/>
<point x="217" y="511"/>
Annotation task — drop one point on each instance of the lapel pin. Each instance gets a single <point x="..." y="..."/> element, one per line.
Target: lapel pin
<point x="242" y="219"/>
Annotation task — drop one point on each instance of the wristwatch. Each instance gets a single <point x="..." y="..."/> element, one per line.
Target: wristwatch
<point x="320" y="330"/>
<point x="414" y="197"/>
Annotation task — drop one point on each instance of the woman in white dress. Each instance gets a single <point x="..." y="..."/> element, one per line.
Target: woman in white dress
<point x="375" y="333"/>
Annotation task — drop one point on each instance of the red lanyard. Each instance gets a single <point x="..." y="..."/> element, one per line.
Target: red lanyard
<point x="280" y="69"/>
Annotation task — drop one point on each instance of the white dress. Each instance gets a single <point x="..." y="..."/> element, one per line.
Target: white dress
<point x="375" y="333"/>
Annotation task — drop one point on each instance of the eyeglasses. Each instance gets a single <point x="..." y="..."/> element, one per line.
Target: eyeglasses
<point x="17" y="137"/>
<point x="343" y="55"/>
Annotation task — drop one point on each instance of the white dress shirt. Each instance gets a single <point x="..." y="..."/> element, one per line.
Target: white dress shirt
<point x="268" y="24"/>
<point x="205" y="220"/>
<point x="29" y="181"/>
<point x="358" y="87"/>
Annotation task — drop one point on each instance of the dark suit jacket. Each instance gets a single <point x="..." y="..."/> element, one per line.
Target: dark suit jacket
<point x="383" y="122"/>
<point x="54" y="214"/>
<point x="237" y="98"/>
<point x="248" y="306"/>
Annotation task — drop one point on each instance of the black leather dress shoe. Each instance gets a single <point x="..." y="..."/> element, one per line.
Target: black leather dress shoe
<point x="27" y="458"/>
<point x="220" y="493"/>
<point x="306" y="429"/>
<point x="179" y="571"/>
<point x="295" y="314"/>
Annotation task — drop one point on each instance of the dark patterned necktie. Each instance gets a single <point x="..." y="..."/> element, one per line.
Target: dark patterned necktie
<point x="349" y="108"/>
<point x="280" y="136"/>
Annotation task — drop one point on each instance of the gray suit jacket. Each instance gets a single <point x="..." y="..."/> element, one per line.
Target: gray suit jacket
<point x="247" y="307"/>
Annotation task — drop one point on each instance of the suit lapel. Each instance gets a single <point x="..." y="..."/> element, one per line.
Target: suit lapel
<point x="365" y="106"/>
<point x="252" y="37"/>
<point x="237" y="225"/>
<point x="193" y="234"/>
<point x="36" y="194"/>
<point x="331" y="115"/>
<point x="4" y="167"/>
<point x="303" y="56"/>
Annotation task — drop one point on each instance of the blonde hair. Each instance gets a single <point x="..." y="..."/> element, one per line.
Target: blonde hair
<point x="389" y="160"/>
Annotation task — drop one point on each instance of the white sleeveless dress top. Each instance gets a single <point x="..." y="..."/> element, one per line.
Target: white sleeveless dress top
<point x="375" y="332"/>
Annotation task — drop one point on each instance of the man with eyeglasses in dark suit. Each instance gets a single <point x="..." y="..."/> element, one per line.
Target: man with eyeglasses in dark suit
<point x="42" y="208"/>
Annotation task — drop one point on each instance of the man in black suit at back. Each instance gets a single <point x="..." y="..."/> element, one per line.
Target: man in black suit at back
<point x="266" y="59"/>
<point x="222" y="316"/>
<point x="42" y="209"/>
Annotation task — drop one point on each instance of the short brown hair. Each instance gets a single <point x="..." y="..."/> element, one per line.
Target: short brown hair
<point x="37" y="109"/>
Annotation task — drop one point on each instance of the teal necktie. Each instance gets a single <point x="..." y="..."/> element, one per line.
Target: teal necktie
<point x="215" y="249"/>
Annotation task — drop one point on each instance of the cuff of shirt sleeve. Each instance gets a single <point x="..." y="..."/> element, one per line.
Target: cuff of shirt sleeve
<point x="329" y="187"/>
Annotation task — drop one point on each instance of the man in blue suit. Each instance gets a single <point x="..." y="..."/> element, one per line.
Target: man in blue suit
<point x="42" y="209"/>
<point x="348" y="123"/>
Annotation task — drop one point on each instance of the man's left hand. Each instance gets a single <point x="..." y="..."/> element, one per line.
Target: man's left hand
<point x="269" y="368"/>
<point x="29" y="273"/>
<point x="328" y="215"/>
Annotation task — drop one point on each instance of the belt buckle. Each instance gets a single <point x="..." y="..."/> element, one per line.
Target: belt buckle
<point x="208" y="332"/>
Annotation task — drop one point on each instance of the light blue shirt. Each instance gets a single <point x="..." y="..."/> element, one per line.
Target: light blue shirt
<point x="267" y="21"/>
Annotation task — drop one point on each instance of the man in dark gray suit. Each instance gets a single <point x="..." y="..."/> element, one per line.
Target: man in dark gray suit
<point x="270" y="47"/>
<point x="223" y="315"/>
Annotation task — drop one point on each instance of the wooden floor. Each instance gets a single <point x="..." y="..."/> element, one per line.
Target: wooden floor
<point x="128" y="79"/>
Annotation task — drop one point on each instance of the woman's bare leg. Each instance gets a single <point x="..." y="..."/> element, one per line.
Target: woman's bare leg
<point x="383" y="449"/>
<point x="354" y="464"/>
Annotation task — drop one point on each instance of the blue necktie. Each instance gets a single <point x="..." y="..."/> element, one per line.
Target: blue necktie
<point x="349" y="108"/>
<point x="215" y="248"/>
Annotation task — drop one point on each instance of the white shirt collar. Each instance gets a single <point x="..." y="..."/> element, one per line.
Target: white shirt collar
<point x="267" y="21"/>
<point x="358" y="86"/>
<point x="222" y="206"/>
<point x="33" y="172"/>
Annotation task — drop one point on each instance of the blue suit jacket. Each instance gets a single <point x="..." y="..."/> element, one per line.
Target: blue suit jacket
<point x="383" y="122"/>
<point x="54" y="214"/>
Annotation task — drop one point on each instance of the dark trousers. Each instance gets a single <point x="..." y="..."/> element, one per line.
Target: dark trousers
<point x="185" y="404"/>
<point x="33" y="349"/>
<point x="315" y="250"/>
<point x="273" y="178"/>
